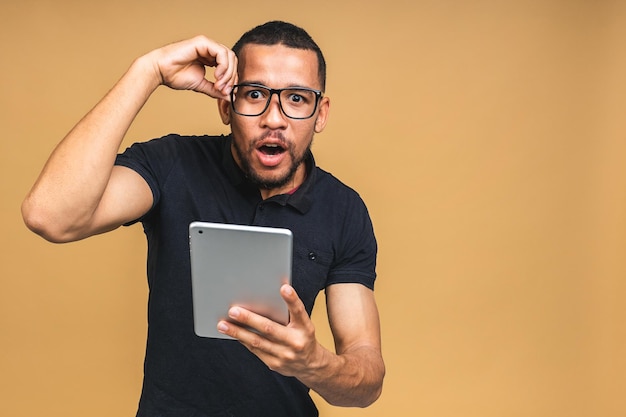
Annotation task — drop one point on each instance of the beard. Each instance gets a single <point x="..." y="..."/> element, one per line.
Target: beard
<point x="266" y="182"/>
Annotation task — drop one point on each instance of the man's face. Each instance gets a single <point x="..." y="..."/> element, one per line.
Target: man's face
<point x="270" y="147"/>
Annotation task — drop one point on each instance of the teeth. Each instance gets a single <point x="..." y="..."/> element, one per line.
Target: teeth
<point x="271" y="149"/>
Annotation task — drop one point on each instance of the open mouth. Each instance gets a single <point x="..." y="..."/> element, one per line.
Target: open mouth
<point x="271" y="149"/>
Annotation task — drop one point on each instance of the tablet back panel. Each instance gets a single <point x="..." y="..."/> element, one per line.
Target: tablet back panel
<point x="237" y="265"/>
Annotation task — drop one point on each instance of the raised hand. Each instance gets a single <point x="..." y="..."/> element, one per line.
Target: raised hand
<point x="79" y="192"/>
<point x="182" y="66"/>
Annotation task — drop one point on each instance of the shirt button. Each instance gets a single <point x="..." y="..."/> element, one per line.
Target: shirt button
<point x="312" y="256"/>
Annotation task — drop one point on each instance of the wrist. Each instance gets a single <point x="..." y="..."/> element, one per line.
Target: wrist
<point x="145" y="70"/>
<point x="323" y="365"/>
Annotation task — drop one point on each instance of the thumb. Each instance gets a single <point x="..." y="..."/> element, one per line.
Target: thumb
<point x="297" y="312"/>
<point x="207" y="87"/>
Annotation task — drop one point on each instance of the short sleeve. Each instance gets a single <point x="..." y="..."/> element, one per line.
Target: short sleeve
<point x="356" y="255"/>
<point x="152" y="160"/>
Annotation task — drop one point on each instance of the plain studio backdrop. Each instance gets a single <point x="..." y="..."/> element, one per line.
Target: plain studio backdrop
<point x="487" y="138"/>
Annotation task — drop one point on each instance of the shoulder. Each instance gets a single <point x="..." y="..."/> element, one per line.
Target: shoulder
<point x="347" y="221"/>
<point x="174" y="142"/>
<point x="329" y="188"/>
<point x="339" y="206"/>
<point x="173" y="148"/>
<point x="157" y="158"/>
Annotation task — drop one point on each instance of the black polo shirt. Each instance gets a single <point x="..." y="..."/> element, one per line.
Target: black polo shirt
<point x="196" y="178"/>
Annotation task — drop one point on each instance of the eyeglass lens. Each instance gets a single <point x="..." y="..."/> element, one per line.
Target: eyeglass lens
<point x="253" y="100"/>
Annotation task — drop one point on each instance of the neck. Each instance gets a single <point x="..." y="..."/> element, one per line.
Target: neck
<point x="296" y="181"/>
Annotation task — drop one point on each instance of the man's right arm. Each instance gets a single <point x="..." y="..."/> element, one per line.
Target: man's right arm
<point x="80" y="192"/>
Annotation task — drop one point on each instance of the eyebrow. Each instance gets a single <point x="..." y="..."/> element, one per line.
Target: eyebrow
<point x="260" y="83"/>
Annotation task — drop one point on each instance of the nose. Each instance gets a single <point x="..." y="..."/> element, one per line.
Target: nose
<point x="273" y="117"/>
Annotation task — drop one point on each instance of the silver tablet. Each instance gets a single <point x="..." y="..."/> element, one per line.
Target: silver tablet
<point x="237" y="265"/>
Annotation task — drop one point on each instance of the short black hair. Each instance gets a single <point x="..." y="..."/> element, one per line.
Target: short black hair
<point x="282" y="33"/>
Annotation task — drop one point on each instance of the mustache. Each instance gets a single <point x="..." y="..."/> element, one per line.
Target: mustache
<point x="271" y="134"/>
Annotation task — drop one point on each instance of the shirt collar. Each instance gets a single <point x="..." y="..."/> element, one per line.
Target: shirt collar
<point x="301" y="199"/>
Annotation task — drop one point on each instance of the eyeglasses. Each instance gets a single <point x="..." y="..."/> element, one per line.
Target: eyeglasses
<point x="254" y="99"/>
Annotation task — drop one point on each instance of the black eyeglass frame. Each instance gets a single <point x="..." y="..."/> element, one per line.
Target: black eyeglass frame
<point x="318" y="96"/>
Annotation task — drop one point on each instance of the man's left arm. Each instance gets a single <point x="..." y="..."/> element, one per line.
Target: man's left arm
<point x="350" y="377"/>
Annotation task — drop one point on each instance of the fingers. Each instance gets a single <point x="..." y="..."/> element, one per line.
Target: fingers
<point x="285" y="349"/>
<point x="298" y="318"/>
<point x="225" y="62"/>
<point x="264" y="326"/>
<point x="182" y="66"/>
<point x="226" y="70"/>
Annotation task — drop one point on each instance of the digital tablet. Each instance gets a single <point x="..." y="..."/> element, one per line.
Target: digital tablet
<point x="237" y="265"/>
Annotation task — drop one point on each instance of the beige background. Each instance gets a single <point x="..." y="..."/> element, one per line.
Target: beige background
<point x="487" y="138"/>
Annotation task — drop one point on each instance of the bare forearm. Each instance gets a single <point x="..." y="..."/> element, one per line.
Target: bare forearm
<point x="76" y="175"/>
<point x="351" y="379"/>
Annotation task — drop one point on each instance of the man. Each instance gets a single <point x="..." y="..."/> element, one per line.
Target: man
<point x="270" y="91"/>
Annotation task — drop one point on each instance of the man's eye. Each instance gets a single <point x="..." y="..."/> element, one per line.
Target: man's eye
<point x="255" y="95"/>
<point x="296" y="98"/>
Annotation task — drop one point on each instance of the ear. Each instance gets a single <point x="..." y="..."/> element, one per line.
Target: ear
<point x="322" y="115"/>
<point x="224" y="108"/>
